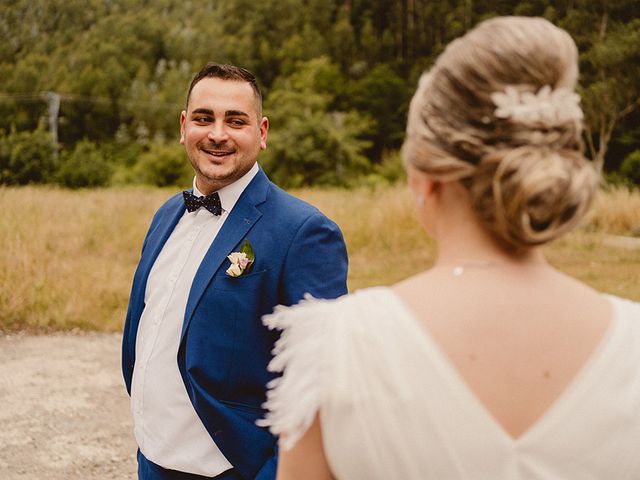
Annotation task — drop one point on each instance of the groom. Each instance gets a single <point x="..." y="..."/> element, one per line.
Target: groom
<point x="214" y="261"/>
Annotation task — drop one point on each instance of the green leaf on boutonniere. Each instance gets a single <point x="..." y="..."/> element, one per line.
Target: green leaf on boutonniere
<point x="247" y="249"/>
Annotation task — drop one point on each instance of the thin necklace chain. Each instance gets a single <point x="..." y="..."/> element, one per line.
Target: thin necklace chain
<point x="458" y="268"/>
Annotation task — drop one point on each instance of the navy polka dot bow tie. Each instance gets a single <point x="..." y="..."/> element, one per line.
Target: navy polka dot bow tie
<point x="210" y="202"/>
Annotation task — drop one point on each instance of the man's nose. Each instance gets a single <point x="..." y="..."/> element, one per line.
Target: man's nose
<point x="217" y="133"/>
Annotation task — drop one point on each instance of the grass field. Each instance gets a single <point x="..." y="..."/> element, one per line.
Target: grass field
<point x="67" y="258"/>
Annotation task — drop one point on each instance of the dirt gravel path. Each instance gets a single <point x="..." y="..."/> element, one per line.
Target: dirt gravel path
<point x="64" y="413"/>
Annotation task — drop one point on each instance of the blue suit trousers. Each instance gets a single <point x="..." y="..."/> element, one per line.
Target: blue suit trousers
<point x="147" y="470"/>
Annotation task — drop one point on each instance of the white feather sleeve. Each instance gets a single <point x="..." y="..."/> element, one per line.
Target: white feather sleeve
<point x="300" y="353"/>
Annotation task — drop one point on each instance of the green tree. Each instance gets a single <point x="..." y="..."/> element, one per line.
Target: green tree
<point x="309" y="144"/>
<point x="613" y="91"/>
<point x="84" y="166"/>
<point x="26" y="157"/>
<point x="124" y="65"/>
<point x="383" y="97"/>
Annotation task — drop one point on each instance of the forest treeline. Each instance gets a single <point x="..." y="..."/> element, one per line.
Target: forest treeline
<point x="91" y="90"/>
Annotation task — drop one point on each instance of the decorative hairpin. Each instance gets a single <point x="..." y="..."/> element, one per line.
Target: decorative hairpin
<point x="550" y="107"/>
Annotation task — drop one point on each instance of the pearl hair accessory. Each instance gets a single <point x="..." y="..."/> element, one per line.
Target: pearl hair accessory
<point x="548" y="107"/>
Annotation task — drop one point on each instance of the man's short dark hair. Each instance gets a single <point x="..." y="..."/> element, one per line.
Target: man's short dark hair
<point x="227" y="72"/>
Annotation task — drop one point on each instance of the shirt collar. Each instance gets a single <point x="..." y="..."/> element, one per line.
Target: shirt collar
<point x="230" y="194"/>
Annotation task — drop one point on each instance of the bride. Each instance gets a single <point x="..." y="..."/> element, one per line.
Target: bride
<point x="492" y="364"/>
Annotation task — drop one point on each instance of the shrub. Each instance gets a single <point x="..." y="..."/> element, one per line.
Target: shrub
<point x="630" y="167"/>
<point x="163" y="165"/>
<point x="26" y="157"/>
<point x="85" y="166"/>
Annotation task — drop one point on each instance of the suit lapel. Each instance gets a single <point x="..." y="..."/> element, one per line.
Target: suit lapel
<point x="241" y="219"/>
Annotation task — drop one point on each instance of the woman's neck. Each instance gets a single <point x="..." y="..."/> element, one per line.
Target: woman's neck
<point x="466" y="241"/>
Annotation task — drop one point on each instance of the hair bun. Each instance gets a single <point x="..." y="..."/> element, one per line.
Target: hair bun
<point x="530" y="195"/>
<point x="498" y="112"/>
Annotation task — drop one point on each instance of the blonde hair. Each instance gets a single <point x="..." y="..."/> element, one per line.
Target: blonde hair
<point x="528" y="179"/>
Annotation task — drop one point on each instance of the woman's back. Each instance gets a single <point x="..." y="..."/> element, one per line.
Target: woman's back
<point x="517" y="335"/>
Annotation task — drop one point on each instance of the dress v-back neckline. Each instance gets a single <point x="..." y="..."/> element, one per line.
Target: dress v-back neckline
<point x="559" y="404"/>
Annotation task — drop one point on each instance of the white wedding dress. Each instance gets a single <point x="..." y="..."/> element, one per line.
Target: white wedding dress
<point x="393" y="407"/>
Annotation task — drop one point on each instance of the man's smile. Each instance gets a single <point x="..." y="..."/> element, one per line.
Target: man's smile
<point x="218" y="153"/>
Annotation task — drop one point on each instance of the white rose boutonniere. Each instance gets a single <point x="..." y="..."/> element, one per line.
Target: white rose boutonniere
<point x="242" y="261"/>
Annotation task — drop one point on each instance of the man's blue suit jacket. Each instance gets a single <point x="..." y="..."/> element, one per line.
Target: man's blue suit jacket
<point x="224" y="348"/>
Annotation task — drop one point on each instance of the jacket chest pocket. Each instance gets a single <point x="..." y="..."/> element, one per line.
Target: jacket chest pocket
<point x="250" y="281"/>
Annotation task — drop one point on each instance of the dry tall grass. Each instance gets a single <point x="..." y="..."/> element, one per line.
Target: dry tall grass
<point x="67" y="258"/>
<point x="616" y="211"/>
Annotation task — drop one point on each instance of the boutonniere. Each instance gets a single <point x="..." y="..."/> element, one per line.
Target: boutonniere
<point x="242" y="261"/>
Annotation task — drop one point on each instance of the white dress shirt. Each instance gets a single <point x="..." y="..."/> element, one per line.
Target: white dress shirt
<point x="166" y="426"/>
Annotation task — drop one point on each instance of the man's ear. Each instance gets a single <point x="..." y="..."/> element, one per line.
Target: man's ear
<point x="264" y="129"/>
<point x="183" y="117"/>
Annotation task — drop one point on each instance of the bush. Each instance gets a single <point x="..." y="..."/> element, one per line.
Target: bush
<point x="164" y="165"/>
<point x="317" y="148"/>
<point x="85" y="166"/>
<point x="388" y="172"/>
<point x="630" y="167"/>
<point x="26" y="157"/>
<point x="614" y="180"/>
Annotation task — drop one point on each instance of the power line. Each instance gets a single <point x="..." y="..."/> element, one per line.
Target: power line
<point x="98" y="100"/>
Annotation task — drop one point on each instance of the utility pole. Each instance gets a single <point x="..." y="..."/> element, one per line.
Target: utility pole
<point x="53" y="103"/>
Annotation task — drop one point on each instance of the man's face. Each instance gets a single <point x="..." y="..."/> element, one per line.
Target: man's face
<point x="222" y="132"/>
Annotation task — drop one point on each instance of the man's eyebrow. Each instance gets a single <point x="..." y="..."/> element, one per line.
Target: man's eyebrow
<point x="235" y="113"/>
<point x="202" y="111"/>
